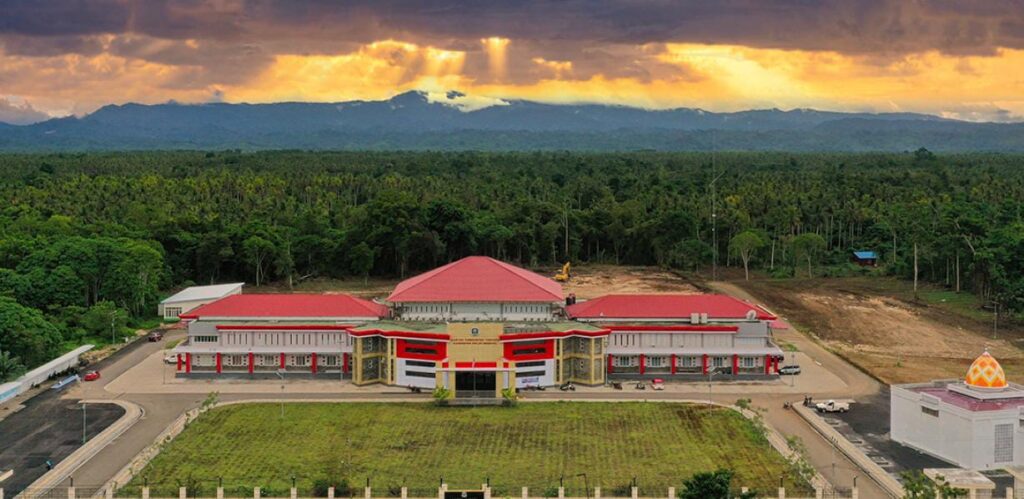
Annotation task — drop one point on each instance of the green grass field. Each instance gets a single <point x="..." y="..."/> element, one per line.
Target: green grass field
<point x="532" y="444"/>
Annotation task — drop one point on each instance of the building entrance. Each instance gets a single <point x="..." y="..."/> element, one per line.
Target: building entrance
<point x="475" y="384"/>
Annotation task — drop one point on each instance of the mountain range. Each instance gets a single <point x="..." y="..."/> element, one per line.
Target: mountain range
<point x="415" y="121"/>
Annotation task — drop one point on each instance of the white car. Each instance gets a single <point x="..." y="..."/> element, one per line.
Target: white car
<point x="832" y="406"/>
<point x="171" y="359"/>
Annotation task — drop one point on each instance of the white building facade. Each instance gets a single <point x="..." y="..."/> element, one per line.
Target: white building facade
<point x="193" y="297"/>
<point x="975" y="423"/>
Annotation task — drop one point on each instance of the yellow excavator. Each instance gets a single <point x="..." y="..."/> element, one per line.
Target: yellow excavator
<point x="564" y="275"/>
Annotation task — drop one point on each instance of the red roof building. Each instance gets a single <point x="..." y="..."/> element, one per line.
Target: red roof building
<point x="286" y="306"/>
<point x="666" y="307"/>
<point x="477" y="279"/>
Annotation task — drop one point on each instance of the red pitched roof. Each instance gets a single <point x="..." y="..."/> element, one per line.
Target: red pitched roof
<point x="665" y="307"/>
<point x="477" y="279"/>
<point x="288" y="305"/>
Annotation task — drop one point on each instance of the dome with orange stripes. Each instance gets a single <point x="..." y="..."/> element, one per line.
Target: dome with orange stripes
<point x="986" y="373"/>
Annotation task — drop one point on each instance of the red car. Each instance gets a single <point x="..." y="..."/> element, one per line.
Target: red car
<point x="91" y="376"/>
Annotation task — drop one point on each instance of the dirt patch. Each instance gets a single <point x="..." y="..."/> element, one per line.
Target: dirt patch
<point x="592" y="281"/>
<point x="588" y="281"/>
<point x="895" y="340"/>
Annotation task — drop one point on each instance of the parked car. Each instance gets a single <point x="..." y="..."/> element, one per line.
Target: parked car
<point x="790" y="369"/>
<point x="832" y="406"/>
<point x="170" y="359"/>
<point x="91" y="376"/>
<point x="156" y="336"/>
<point x="658" y="384"/>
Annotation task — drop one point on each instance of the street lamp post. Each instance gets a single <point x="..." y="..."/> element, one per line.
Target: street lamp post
<point x="282" y="401"/>
<point x="83" y="423"/>
<point x="711" y="374"/>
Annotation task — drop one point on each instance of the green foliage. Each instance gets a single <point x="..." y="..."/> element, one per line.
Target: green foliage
<point x="711" y="485"/>
<point x="26" y="334"/>
<point x="104" y="319"/>
<point x="808" y="247"/>
<point x="10" y="367"/>
<point x="744" y="245"/>
<point x="441" y="395"/>
<point x="80" y="229"/>
<point x="918" y="486"/>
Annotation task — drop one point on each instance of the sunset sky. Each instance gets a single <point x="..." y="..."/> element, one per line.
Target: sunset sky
<point x="959" y="59"/>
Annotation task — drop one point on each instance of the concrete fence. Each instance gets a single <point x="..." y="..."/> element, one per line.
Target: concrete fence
<point x="443" y="492"/>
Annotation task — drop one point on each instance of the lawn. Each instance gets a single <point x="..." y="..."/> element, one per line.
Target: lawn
<point x="532" y="444"/>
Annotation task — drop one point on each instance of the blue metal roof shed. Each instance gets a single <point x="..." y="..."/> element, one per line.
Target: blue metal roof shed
<point x="866" y="255"/>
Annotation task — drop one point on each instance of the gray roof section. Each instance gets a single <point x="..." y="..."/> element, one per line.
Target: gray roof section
<point x="193" y="293"/>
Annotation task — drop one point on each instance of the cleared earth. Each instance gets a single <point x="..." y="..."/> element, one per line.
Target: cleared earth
<point x="416" y="445"/>
<point x="588" y="281"/>
<point x="878" y="324"/>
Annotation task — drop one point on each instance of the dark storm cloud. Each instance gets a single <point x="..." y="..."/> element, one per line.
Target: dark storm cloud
<point x="864" y="26"/>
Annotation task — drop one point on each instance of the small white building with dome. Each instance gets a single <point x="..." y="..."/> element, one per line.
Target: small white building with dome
<point x="975" y="423"/>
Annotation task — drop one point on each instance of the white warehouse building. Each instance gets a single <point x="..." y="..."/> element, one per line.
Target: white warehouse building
<point x="193" y="297"/>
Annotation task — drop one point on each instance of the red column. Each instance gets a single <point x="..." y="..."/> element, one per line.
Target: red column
<point x="188" y="362"/>
<point x="344" y="362"/>
<point x="178" y="368"/>
<point x="704" y="364"/>
<point x="282" y="360"/>
<point x="218" y="362"/>
<point x="673" y="363"/>
<point x="735" y="364"/>
<point x="767" y="364"/>
<point x="642" y="366"/>
<point x="252" y="365"/>
<point x="313" y="363"/>
<point x="776" y="365"/>
<point x="610" y="368"/>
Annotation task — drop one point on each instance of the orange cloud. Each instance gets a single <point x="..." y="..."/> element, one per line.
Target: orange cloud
<point x="721" y="77"/>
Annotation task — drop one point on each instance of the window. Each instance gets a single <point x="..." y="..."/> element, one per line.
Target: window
<point x="204" y="339"/>
<point x="1003" y="451"/>
<point x="419" y="363"/>
<point x="748" y="362"/>
<point x="929" y="411"/>
<point x="625" y="361"/>
<point x="530" y="364"/>
<point x="656" y="361"/>
<point x="528" y="374"/>
<point x="419" y="374"/>
<point x="172" y="312"/>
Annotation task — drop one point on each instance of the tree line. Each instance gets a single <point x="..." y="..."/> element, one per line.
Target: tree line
<point x="104" y="231"/>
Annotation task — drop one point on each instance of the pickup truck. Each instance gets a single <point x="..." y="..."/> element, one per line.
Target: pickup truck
<point x="832" y="406"/>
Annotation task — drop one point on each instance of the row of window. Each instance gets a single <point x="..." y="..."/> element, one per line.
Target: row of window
<point x="277" y="339"/>
<point x="685" y="361"/>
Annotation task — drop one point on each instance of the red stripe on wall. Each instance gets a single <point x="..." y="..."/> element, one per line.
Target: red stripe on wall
<point x="478" y="365"/>
<point x="218" y="362"/>
<point x="704" y="329"/>
<point x="439" y="349"/>
<point x="548" y="347"/>
<point x="285" y="327"/>
<point x="252" y="363"/>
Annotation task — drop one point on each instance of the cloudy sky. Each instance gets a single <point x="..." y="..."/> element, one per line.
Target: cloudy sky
<point x="962" y="59"/>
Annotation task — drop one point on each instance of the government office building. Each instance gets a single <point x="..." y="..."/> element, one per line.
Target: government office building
<point x="475" y="327"/>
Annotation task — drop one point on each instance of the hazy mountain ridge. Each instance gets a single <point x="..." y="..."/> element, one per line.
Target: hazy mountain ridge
<point x="412" y="121"/>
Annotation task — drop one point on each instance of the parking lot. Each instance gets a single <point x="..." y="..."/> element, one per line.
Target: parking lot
<point x="47" y="429"/>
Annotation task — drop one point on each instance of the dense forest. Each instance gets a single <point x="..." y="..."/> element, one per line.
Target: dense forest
<point x="90" y="240"/>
